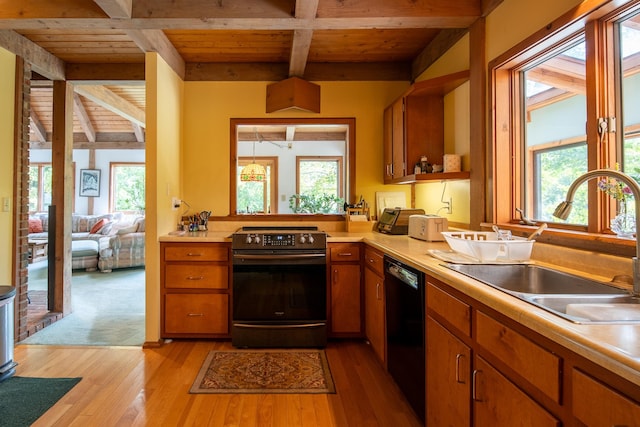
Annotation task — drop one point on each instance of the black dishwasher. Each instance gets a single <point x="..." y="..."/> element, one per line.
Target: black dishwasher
<point x="404" y="287"/>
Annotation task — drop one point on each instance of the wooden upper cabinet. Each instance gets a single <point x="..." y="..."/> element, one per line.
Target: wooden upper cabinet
<point x="414" y="127"/>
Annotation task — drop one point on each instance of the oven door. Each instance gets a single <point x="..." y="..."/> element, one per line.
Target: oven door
<point x="275" y="287"/>
<point x="279" y="300"/>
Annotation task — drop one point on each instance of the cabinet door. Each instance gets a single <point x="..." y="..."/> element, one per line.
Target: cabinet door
<point x="393" y="154"/>
<point x="345" y="299"/>
<point x="448" y="377"/>
<point x="374" y="312"/>
<point x="399" y="162"/>
<point x="498" y="402"/>
<point x="598" y="405"/>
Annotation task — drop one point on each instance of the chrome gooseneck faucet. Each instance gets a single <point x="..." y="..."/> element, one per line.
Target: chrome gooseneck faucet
<point x="564" y="209"/>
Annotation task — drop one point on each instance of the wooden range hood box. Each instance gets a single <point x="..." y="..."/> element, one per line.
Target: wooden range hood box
<point x="293" y="93"/>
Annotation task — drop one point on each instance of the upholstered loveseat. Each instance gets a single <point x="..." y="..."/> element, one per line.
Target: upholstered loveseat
<point x="99" y="241"/>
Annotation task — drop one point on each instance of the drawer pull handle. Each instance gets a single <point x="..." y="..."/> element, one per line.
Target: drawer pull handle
<point x="474" y="386"/>
<point x="344" y="254"/>
<point x="195" y="277"/>
<point x="194" y="254"/>
<point x="459" y="379"/>
<point x="195" y="315"/>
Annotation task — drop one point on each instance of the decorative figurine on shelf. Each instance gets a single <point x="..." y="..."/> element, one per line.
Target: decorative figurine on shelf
<point x="425" y="165"/>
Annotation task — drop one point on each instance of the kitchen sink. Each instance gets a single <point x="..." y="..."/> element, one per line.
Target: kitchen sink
<point x="572" y="297"/>
<point x="591" y="308"/>
<point x="532" y="279"/>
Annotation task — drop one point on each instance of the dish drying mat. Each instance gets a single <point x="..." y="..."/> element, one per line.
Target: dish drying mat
<point x="458" y="258"/>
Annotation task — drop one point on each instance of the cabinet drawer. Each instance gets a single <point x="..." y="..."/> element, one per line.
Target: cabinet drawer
<point x="196" y="276"/>
<point x="374" y="260"/>
<point x="204" y="252"/>
<point x="596" y="404"/>
<point x="537" y="365"/>
<point x="196" y="314"/>
<point x="450" y="308"/>
<point x="344" y="252"/>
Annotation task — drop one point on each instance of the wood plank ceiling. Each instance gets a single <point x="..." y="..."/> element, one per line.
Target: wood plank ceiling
<point x="104" y="42"/>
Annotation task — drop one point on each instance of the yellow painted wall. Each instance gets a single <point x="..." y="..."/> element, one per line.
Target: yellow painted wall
<point x="164" y="92"/>
<point x="208" y="107"/>
<point x="7" y="89"/>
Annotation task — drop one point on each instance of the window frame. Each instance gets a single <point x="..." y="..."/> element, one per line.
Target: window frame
<point x="112" y="166"/>
<point x="272" y="163"/>
<point x="595" y="21"/>
<point x="350" y="169"/>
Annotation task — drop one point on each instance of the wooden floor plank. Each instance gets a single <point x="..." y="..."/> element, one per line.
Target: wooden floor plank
<point x="128" y="386"/>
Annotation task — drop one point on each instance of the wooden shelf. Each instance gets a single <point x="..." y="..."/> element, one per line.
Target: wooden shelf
<point x="428" y="177"/>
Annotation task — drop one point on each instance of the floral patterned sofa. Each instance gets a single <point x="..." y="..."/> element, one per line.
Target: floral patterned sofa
<point x="119" y="242"/>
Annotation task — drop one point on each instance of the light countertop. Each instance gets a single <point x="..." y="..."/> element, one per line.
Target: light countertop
<point x="615" y="347"/>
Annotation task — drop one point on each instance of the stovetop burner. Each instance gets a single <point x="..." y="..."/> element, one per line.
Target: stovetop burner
<point x="254" y="228"/>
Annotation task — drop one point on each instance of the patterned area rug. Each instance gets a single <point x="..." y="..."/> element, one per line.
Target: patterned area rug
<point x="265" y="371"/>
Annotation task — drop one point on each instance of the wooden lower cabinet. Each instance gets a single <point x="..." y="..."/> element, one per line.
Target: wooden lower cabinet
<point x="499" y="402"/>
<point x="195" y="290"/>
<point x="462" y="388"/>
<point x="374" y="302"/>
<point x="345" y="299"/>
<point x="596" y="404"/>
<point x="448" y="378"/>
<point x="345" y="290"/>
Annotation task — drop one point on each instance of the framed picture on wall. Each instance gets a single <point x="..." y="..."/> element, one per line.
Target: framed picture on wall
<point x="90" y="182"/>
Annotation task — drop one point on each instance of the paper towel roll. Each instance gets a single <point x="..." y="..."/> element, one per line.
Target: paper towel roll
<point x="452" y="163"/>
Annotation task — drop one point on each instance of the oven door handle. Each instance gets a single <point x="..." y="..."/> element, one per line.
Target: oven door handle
<point x="276" y="257"/>
<point x="291" y="326"/>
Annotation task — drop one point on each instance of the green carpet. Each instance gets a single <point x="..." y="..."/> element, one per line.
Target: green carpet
<point x="23" y="399"/>
<point x="107" y="308"/>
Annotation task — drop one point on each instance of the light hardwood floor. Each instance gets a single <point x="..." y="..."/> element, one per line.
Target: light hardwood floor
<point x="130" y="386"/>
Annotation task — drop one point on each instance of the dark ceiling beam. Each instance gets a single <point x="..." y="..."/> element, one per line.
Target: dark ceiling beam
<point x="314" y="71"/>
<point x="41" y="61"/>
<point x="112" y="73"/>
<point x="435" y="49"/>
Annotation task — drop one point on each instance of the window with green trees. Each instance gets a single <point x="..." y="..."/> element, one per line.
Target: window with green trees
<point x="127" y="187"/>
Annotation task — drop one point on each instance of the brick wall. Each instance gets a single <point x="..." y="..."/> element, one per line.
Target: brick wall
<point x="21" y="202"/>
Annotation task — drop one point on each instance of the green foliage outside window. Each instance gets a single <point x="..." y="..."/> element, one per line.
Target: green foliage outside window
<point x="128" y="188"/>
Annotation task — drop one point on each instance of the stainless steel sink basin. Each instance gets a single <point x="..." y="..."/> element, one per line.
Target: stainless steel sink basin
<point x="591" y="308"/>
<point x="532" y="279"/>
<point x="572" y="297"/>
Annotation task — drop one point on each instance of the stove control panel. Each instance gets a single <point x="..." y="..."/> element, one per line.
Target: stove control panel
<point x="279" y="240"/>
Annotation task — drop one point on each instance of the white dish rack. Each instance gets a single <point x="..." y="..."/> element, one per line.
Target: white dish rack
<point x="485" y="246"/>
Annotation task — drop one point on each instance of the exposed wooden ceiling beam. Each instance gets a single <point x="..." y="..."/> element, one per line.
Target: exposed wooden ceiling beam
<point x="138" y="132"/>
<point x="112" y="102"/>
<point x="157" y="41"/>
<point x="300" y="135"/>
<point x="41" y="61"/>
<point x="37" y="127"/>
<point x="434" y="50"/>
<point x="83" y="118"/>
<point x="557" y="79"/>
<point x="401" y="22"/>
<point x="305" y="9"/>
<point x="120" y="9"/>
<point x="104" y="141"/>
